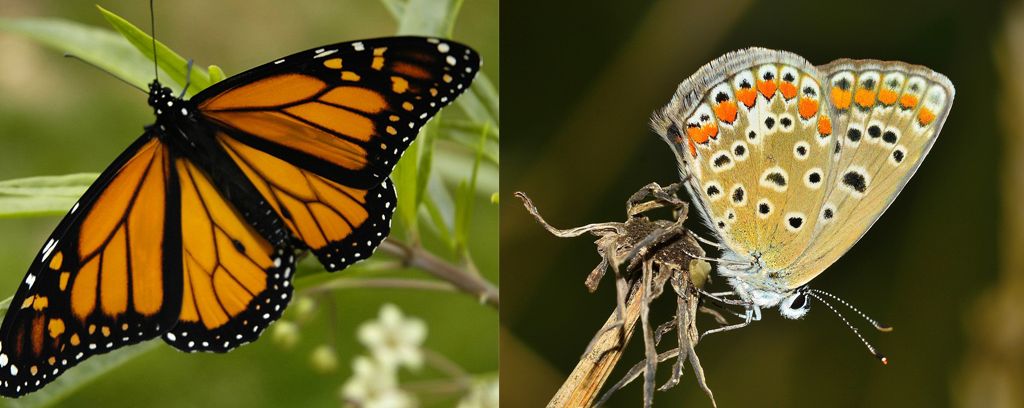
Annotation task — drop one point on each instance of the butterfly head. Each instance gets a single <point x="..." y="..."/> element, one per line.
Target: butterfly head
<point x="159" y="95"/>
<point x="763" y="288"/>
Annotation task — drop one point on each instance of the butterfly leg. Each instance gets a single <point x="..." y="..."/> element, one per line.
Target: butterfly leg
<point x="188" y="79"/>
<point x="753" y="313"/>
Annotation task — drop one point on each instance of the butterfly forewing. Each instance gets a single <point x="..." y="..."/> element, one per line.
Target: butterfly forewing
<point x="109" y="275"/>
<point x="350" y="109"/>
<point x="759" y="136"/>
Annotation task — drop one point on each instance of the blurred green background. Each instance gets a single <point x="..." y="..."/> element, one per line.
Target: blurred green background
<point x="943" y="265"/>
<point x="58" y="116"/>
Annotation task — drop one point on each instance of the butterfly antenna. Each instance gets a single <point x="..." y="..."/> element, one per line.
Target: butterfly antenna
<point x="75" y="57"/>
<point x="871" y="348"/>
<point x="152" y="31"/>
<point x="882" y="327"/>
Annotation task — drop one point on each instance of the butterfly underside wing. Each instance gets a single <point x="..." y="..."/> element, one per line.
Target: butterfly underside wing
<point x="792" y="163"/>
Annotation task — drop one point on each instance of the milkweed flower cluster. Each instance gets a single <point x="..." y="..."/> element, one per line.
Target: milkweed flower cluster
<point x="484" y="394"/>
<point x="394" y="341"/>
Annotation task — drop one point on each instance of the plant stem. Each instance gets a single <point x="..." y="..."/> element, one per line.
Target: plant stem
<point x="459" y="277"/>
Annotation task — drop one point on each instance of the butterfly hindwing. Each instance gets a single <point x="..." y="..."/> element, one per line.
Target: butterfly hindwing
<point x="109" y="275"/>
<point x="340" y="224"/>
<point x="235" y="281"/>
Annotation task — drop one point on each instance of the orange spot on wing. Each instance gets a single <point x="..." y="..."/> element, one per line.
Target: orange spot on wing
<point x="925" y="116"/>
<point x="333" y="63"/>
<point x="824" y="126"/>
<point x="57" y="260"/>
<point x="865" y="98"/>
<point x="726" y="111"/>
<point x="840" y="97"/>
<point x="908" y="101"/>
<point x="767" y="88"/>
<point x="788" y="90"/>
<point x="40" y="303"/>
<point x="747" y="95"/>
<point x="410" y="70"/>
<point x="807" y="107"/>
<point x="55" y="327"/>
<point x="64" y="276"/>
<point x="887" y="97"/>
<point x="710" y="131"/>
<point x="693" y="148"/>
<point x="696" y="134"/>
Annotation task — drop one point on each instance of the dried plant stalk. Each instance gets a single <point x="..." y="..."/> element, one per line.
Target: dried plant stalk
<point x="652" y="254"/>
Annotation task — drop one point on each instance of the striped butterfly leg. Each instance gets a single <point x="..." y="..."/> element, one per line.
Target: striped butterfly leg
<point x="109" y="276"/>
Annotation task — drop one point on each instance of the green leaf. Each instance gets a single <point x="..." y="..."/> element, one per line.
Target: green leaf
<point x="216" y="74"/>
<point x="45" y="195"/>
<point x="426" y="161"/>
<point x="173" y="64"/>
<point x="100" y="47"/>
<point x="428" y="17"/>
<point x="405" y="176"/>
<point x="466" y="194"/>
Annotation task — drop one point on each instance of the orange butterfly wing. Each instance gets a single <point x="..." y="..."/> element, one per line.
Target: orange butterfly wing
<point x="319" y="136"/>
<point x="108" y="276"/>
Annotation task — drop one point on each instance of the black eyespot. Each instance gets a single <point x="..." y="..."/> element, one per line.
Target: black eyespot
<point x="737" y="195"/>
<point x="764" y="208"/>
<point x="744" y="84"/>
<point x="801" y="150"/>
<point x="869" y="83"/>
<point x="874" y="131"/>
<point x="889" y="137"/>
<point x="721" y="160"/>
<point x="796" y="222"/>
<point x="721" y="97"/>
<point x="828" y="214"/>
<point x="786" y="122"/>
<point x="853" y="134"/>
<point x="855" y="181"/>
<point x="788" y="77"/>
<point x="740" y="150"/>
<point x="814" y="177"/>
<point x="770" y="123"/>
<point x="897" y="155"/>
<point x="704" y="117"/>
<point x="776" y="178"/>
<point x="809" y="91"/>
<point x="752" y="135"/>
<point x="768" y="76"/>
<point x="721" y="224"/>
<point x="838" y="148"/>
<point x="713" y="191"/>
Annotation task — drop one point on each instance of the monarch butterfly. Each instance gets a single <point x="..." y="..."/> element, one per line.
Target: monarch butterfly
<point x="191" y="233"/>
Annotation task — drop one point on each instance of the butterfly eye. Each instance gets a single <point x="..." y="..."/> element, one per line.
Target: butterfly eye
<point x="800" y="302"/>
<point x="795" y="306"/>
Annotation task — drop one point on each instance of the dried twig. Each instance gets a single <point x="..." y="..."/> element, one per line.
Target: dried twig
<point x="653" y="252"/>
